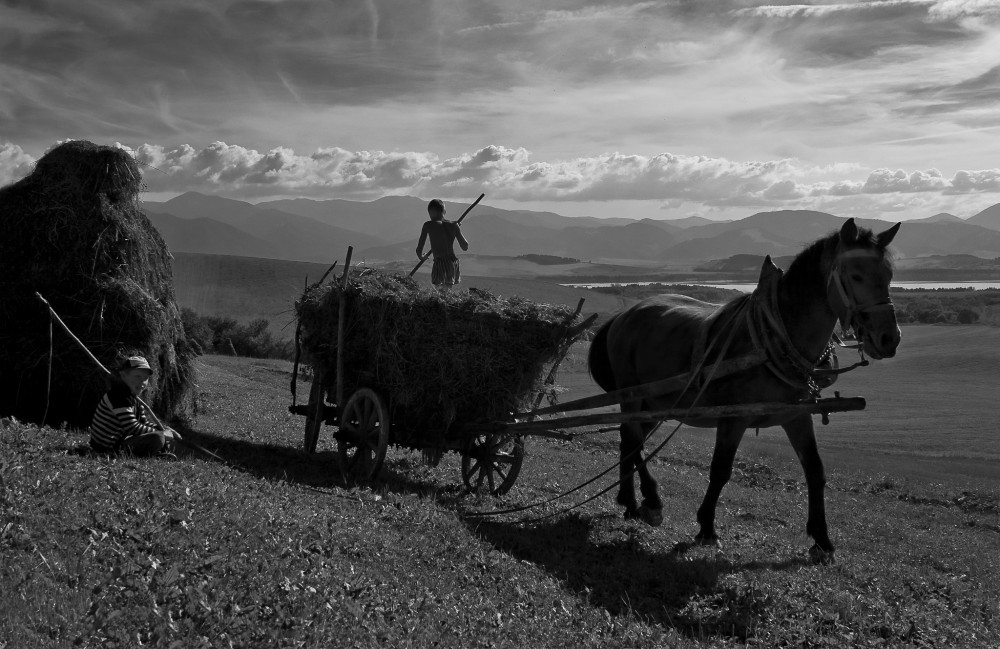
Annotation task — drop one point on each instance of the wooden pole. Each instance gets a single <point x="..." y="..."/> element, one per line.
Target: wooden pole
<point x="739" y="411"/>
<point x="340" y="327"/>
<point x="298" y="348"/>
<point x="654" y="389"/>
<point x="106" y="371"/>
<point x="424" y="258"/>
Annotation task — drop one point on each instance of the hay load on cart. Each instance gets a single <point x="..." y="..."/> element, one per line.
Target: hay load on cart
<point x="428" y="363"/>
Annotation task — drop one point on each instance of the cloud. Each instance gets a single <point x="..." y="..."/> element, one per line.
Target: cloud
<point x="986" y="180"/>
<point x="510" y="173"/>
<point x="884" y="181"/>
<point x="14" y="163"/>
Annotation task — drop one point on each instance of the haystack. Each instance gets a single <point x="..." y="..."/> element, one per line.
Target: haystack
<point x="437" y="357"/>
<point x="74" y="231"/>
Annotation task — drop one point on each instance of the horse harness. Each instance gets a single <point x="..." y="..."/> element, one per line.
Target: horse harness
<point x="769" y="335"/>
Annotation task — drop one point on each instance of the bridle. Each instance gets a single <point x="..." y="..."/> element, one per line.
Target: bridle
<point x="841" y="297"/>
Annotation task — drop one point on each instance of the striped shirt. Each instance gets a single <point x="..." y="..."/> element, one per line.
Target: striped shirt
<point x="118" y="416"/>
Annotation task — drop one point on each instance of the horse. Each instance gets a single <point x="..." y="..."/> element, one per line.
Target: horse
<point x="791" y="317"/>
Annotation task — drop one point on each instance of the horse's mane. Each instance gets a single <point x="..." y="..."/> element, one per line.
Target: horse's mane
<point x="807" y="267"/>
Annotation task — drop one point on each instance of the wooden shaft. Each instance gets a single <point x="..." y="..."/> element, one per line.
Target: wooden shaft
<point x="740" y="411"/>
<point x="655" y="388"/>
<point x="424" y="258"/>
<point x="341" y="309"/>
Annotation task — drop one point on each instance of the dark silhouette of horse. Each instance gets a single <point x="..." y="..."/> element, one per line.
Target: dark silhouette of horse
<point x="790" y="316"/>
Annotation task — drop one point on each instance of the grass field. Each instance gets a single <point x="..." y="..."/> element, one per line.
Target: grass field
<point x="269" y="548"/>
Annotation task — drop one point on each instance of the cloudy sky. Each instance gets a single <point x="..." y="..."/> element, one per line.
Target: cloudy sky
<point x="719" y="108"/>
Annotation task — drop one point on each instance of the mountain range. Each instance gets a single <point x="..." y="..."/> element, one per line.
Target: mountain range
<point x="386" y="229"/>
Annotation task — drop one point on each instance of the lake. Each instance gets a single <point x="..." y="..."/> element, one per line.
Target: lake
<point x="747" y="288"/>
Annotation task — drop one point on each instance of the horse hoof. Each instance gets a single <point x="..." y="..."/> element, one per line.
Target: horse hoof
<point x="821" y="556"/>
<point x="650" y="516"/>
<point x="709" y="542"/>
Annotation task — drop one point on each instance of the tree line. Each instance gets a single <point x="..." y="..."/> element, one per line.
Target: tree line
<point x="224" y="335"/>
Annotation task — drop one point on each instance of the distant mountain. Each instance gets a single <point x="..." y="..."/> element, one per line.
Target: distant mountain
<point x="207" y="236"/>
<point x="288" y="236"/>
<point x="946" y="261"/>
<point x="393" y="217"/>
<point x="988" y="218"/>
<point x="785" y="232"/>
<point x="690" y="221"/>
<point x="387" y="230"/>
<point x="939" y="218"/>
<point x="743" y="264"/>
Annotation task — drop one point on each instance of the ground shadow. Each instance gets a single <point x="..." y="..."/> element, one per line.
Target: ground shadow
<point x="317" y="470"/>
<point x="271" y="461"/>
<point x="674" y="589"/>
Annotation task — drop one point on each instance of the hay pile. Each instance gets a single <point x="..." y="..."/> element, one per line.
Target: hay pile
<point x="74" y="231"/>
<point x="438" y="357"/>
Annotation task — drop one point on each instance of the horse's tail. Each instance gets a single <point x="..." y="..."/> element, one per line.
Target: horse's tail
<point x="598" y="361"/>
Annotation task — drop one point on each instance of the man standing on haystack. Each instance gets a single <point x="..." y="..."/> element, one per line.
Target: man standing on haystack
<point x="446" y="271"/>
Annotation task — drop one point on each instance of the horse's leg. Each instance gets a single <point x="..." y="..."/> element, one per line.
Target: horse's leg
<point x="629" y="448"/>
<point x="727" y="439"/>
<point x="652" y="507"/>
<point x="803" y="438"/>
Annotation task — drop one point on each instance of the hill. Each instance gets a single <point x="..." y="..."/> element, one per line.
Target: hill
<point x="387" y="217"/>
<point x="387" y="230"/>
<point x="267" y="546"/>
<point x="988" y="218"/>
<point x="207" y="236"/>
<point x="288" y="236"/>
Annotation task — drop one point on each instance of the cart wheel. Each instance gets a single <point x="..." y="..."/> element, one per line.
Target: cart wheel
<point x="364" y="435"/>
<point x="492" y="459"/>
<point x="315" y="413"/>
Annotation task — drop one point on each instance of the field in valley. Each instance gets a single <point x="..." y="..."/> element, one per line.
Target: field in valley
<point x="269" y="547"/>
<point x="245" y="288"/>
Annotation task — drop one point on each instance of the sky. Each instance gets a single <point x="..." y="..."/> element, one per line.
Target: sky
<point x="716" y="108"/>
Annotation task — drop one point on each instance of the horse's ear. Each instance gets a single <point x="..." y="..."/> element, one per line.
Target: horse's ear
<point x="849" y="233"/>
<point x="885" y="238"/>
<point x="768" y="271"/>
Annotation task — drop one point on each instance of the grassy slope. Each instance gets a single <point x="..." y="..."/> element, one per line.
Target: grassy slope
<point x="270" y="549"/>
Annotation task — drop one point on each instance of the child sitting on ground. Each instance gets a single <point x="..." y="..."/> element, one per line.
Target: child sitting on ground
<point x="446" y="271"/>
<point x="119" y="424"/>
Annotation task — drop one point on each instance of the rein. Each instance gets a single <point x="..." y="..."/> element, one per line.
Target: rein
<point x="848" y="308"/>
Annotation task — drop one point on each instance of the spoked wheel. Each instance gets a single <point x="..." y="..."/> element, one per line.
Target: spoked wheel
<point x="492" y="461"/>
<point x="364" y="435"/>
<point x="315" y="413"/>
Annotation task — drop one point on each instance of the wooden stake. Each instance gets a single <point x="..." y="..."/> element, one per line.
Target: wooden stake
<point x="340" y="327"/>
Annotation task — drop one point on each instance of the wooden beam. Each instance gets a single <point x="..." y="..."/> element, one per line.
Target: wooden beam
<point x="737" y="411"/>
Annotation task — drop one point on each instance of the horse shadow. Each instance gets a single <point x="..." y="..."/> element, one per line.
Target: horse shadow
<point x="605" y="561"/>
<point x="627" y="577"/>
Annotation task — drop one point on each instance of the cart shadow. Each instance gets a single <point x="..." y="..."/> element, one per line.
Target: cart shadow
<point x="270" y="461"/>
<point x="619" y="573"/>
<point x="321" y="469"/>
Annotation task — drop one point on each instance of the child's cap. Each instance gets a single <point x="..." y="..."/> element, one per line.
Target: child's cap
<point x="136" y="363"/>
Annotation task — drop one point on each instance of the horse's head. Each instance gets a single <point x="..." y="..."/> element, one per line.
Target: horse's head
<point x="858" y="288"/>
